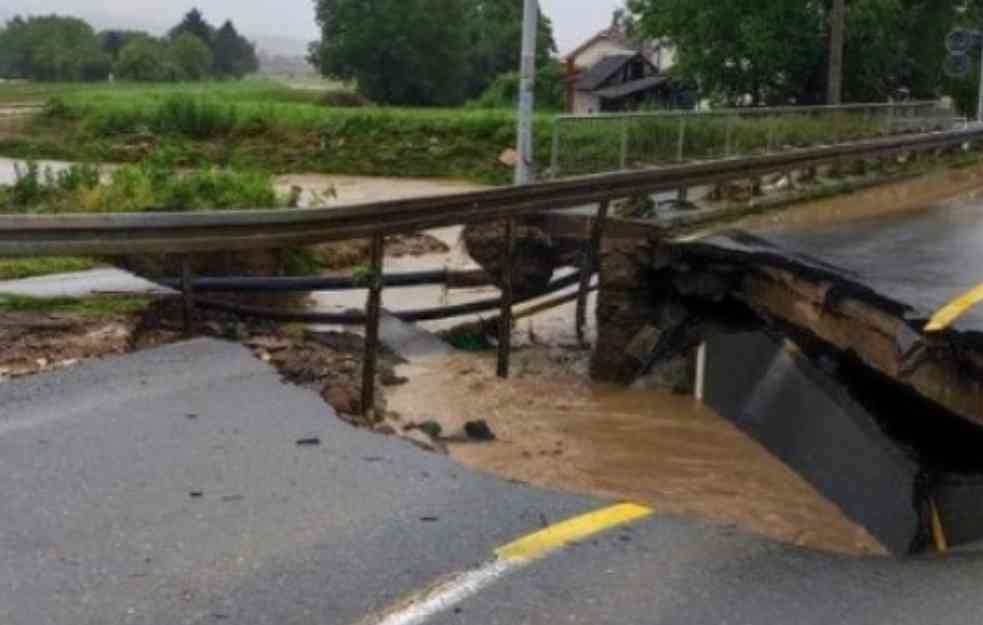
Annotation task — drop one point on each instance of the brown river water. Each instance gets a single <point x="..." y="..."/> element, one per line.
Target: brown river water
<point x="557" y="431"/>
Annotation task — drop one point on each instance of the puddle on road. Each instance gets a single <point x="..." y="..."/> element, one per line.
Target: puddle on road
<point x="668" y="452"/>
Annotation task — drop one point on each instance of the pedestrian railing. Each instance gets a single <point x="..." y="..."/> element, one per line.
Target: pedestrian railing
<point x="592" y="144"/>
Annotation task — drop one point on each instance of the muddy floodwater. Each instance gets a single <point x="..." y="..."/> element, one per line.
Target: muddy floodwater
<point x="670" y="452"/>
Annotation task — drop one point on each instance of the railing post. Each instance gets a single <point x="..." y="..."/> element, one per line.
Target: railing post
<point x="683" y="193"/>
<point x="555" y="157"/>
<point x="624" y="144"/>
<point x="729" y="140"/>
<point x="372" y="314"/>
<point x="681" y="145"/>
<point x="505" y="314"/>
<point x="589" y="266"/>
<point x="187" y="290"/>
<point x="771" y="135"/>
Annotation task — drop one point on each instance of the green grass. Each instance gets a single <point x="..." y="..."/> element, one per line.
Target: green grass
<point x="17" y="268"/>
<point x="266" y="125"/>
<point x="101" y="306"/>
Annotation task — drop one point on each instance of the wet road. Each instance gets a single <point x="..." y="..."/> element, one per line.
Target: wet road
<point x="168" y="487"/>
<point x="922" y="258"/>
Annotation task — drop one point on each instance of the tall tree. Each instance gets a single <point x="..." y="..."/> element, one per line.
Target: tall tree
<point x="762" y="50"/>
<point x="113" y="41"/>
<point x="778" y="52"/>
<point x="407" y="52"/>
<point x="194" y="23"/>
<point x="495" y="33"/>
<point x="235" y="56"/>
<point x="192" y="56"/>
<point x="146" y="59"/>
<point x="51" y="48"/>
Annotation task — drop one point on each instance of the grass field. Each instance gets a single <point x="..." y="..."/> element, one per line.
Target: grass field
<point x="259" y="124"/>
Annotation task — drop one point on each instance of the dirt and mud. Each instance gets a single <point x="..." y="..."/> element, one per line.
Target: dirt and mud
<point x="35" y="342"/>
<point x="556" y="430"/>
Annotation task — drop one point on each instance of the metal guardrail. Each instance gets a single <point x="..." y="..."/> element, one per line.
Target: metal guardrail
<point x="187" y="233"/>
<point x="118" y="234"/>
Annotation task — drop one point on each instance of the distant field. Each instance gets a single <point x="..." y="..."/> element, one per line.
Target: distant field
<point x="265" y="124"/>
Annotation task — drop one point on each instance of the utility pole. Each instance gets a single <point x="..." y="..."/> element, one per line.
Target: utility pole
<point x="527" y="92"/>
<point x="837" y="24"/>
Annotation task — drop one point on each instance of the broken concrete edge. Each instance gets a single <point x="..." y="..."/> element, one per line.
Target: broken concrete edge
<point x="808" y="294"/>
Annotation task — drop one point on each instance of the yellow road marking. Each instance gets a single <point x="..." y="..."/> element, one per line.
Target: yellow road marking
<point x="955" y="309"/>
<point x="422" y="606"/>
<point x="554" y="537"/>
<point x="941" y="544"/>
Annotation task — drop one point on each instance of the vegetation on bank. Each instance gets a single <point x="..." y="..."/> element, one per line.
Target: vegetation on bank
<point x="18" y="268"/>
<point x="99" y="306"/>
<point x="153" y="184"/>
<point x="262" y="125"/>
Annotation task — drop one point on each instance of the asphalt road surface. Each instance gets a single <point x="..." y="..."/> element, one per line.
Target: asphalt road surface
<point x="168" y="487"/>
<point x="922" y="259"/>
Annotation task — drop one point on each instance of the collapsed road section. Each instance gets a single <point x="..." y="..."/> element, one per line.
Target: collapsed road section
<point x="813" y="342"/>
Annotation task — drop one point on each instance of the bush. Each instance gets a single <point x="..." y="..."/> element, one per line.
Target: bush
<point x="154" y="184"/>
<point x="344" y="99"/>
<point x="504" y="90"/>
<point x="197" y="118"/>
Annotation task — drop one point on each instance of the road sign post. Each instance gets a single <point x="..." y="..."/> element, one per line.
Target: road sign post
<point x="960" y="44"/>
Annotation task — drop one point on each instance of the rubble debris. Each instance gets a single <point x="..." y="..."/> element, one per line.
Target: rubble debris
<point x="536" y="258"/>
<point x="430" y="428"/>
<point x="309" y="442"/>
<point x="479" y="431"/>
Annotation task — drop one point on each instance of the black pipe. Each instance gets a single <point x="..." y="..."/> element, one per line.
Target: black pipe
<point x="241" y="284"/>
<point x="358" y="317"/>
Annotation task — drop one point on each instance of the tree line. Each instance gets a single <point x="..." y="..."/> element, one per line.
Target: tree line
<point x="768" y="52"/>
<point x="62" y="48"/>
<point x="423" y="52"/>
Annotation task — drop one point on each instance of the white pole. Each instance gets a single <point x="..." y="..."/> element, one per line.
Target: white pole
<point x="527" y="92"/>
<point x="979" y="105"/>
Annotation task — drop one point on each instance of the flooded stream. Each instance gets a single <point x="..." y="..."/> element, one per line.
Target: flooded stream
<point x="670" y="452"/>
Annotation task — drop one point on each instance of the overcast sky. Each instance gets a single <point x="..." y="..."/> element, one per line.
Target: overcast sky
<point x="574" y="20"/>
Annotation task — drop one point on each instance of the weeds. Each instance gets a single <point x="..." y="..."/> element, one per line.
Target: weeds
<point x="18" y="268"/>
<point x="91" y="306"/>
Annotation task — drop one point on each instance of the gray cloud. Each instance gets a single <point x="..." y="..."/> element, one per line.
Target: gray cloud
<point x="574" y="20"/>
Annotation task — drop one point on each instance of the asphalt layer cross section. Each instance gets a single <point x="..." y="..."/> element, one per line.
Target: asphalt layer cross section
<point x="168" y="487"/>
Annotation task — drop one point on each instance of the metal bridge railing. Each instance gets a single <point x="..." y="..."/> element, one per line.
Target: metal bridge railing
<point x="593" y="144"/>
<point x="187" y="233"/>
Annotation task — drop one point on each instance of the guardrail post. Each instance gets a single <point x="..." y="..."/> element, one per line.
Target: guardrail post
<point x="505" y="314"/>
<point x="555" y="158"/>
<point x="624" y="144"/>
<point x="589" y="266"/>
<point x="683" y="192"/>
<point x="372" y="314"/>
<point x="771" y="135"/>
<point x="681" y="144"/>
<point x="187" y="291"/>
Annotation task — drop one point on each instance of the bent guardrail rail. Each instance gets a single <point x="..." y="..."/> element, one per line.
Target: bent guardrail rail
<point x="187" y="233"/>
